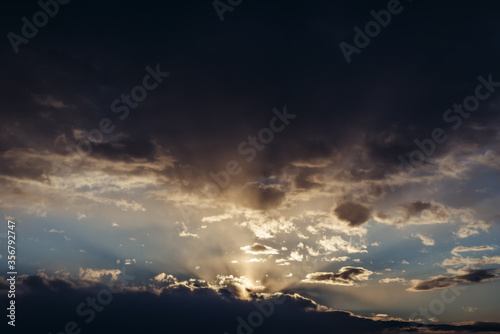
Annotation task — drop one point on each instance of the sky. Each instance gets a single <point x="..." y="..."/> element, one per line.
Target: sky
<point x="242" y="166"/>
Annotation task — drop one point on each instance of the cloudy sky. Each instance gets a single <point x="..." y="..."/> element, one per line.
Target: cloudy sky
<point x="211" y="157"/>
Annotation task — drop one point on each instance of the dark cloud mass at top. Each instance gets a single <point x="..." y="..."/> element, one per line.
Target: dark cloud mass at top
<point x="187" y="118"/>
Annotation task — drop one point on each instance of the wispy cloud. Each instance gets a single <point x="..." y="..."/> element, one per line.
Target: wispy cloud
<point x="346" y="276"/>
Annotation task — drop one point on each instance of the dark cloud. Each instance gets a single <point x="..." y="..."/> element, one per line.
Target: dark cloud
<point x="261" y="197"/>
<point x="353" y="213"/>
<point x="435" y="211"/>
<point x="126" y="150"/>
<point x="416" y="207"/>
<point x="132" y="310"/>
<point x="74" y="80"/>
<point x="478" y="275"/>
<point x="4" y="284"/>
<point x="435" y="283"/>
<point x="471" y="276"/>
<point x="38" y="283"/>
<point x="258" y="248"/>
<point x="63" y="81"/>
<point x="303" y="179"/>
<point x="346" y="276"/>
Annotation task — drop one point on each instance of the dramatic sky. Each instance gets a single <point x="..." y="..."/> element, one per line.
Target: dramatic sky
<point x="259" y="152"/>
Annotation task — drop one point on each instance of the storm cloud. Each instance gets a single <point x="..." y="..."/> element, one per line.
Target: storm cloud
<point x="470" y="276"/>
<point x="346" y="276"/>
<point x="354" y="213"/>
